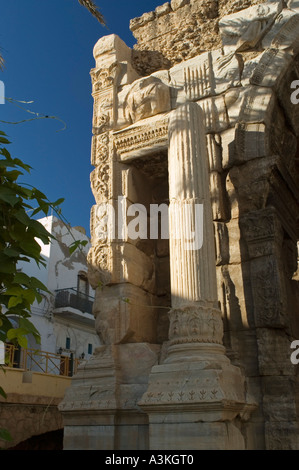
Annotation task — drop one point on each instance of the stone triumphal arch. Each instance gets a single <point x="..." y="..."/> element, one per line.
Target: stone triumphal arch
<point x="196" y="343"/>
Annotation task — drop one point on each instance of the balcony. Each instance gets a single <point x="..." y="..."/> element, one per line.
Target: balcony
<point x="74" y="304"/>
<point x="33" y="360"/>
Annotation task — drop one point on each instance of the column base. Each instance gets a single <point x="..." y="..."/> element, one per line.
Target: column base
<point x="194" y="405"/>
<point x="195" y="436"/>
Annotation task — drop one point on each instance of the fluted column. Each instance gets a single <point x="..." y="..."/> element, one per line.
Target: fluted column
<point x="195" y="317"/>
<point x="192" y="259"/>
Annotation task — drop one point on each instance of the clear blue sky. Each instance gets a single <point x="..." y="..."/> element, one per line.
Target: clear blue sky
<point x="47" y="46"/>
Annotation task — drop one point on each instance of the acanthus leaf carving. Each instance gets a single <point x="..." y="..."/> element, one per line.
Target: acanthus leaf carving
<point x="104" y="77"/>
<point x="195" y="324"/>
<point x="99" y="265"/>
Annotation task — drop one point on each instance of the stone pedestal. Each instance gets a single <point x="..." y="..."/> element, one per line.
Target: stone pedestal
<point x="100" y="408"/>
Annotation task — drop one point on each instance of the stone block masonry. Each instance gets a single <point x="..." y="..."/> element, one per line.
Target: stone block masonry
<point x="179" y="30"/>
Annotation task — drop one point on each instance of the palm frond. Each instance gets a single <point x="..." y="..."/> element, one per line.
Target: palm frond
<point x="93" y="9"/>
<point x="1" y="61"/>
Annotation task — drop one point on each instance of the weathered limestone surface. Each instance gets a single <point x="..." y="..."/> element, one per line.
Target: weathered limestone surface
<point x="199" y="112"/>
<point x="179" y="30"/>
<point x="33" y="416"/>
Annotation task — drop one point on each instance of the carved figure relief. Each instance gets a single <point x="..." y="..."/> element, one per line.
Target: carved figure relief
<point x="242" y="32"/>
<point x="102" y="117"/>
<point x="147" y="97"/>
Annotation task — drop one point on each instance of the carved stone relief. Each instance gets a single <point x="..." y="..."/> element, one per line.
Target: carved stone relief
<point x="147" y="97"/>
<point x="195" y="324"/>
<point x="240" y="32"/>
<point x="139" y="140"/>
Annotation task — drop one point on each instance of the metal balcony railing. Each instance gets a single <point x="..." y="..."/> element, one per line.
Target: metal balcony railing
<point x="40" y="361"/>
<point x="73" y="298"/>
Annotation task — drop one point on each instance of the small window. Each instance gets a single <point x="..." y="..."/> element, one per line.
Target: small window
<point x="68" y="343"/>
<point x="89" y="348"/>
<point x="83" y="286"/>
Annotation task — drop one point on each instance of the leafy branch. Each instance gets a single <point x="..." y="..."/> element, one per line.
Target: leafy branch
<point x="19" y="241"/>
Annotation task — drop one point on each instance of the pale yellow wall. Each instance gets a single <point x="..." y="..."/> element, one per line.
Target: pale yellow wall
<point x="17" y="381"/>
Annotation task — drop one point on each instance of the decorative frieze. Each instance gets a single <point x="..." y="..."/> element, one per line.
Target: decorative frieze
<point x="142" y="139"/>
<point x="262" y="232"/>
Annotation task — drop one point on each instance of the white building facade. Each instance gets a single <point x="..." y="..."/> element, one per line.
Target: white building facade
<point x="64" y="318"/>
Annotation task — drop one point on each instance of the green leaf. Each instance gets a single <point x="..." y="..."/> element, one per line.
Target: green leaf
<point x="23" y="165"/>
<point x="11" y="252"/>
<point x="5" y="435"/>
<point x="22" y="278"/>
<point x="29" y="295"/>
<point x="6" y="325"/>
<point x="40" y="231"/>
<point x="14" y="301"/>
<point x="6" y="154"/>
<point x="22" y="217"/>
<point x="22" y="341"/>
<point x="31" y="248"/>
<point x="12" y="333"/>
<point x="15" y="290"/>
<point x="13" y="175"/>
<point x="37" y="284"/>
<point x="6" y="264"/>
<point x="26" y="324"/>
<point x="2" y="393"/>
<point x="73" y="247"/>
<point x="8" y="195"/>
<point x="58" y="202"/>
<point x="37" y="194"/>
<point x="3" y="140"/>
<point x="77" y="244"/>
<point x="18" y="334"/>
